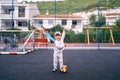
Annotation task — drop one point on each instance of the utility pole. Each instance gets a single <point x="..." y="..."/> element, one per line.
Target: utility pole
<point x="12" y="14"/>
<point x="12" y="25"/>
<point x="98" y="24"/>
<point x="54" y="15"/>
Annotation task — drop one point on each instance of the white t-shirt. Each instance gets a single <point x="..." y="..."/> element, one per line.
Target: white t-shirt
<point x="59" y="45"/>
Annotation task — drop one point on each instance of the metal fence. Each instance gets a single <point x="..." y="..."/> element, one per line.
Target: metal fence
<point x="72" y="17"/>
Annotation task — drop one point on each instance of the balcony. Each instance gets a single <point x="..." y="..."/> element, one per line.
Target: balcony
<point x="6" y="16"/>
<point x="5" y="27"/>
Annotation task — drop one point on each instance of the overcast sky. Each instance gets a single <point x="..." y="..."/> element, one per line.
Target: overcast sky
<point x="38" y="0"/>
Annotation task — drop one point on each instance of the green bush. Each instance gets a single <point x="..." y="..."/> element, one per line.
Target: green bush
<point x="57" y="28"/>
<point x="71" y="37"/>
<point x="116" y="36"/>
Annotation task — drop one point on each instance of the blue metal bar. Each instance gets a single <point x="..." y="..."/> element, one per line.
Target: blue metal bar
<point x="12" y="21"/>
<point x="12" y="14"/>
<point x="55" y="16"/>
<point x="98" y="24"/>
<point x="58" y="9"/>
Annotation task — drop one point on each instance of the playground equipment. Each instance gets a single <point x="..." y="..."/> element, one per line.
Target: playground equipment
<point x="40" y="38"/>
<point x="24" y="44"/>
<point x="49" y="36"/>
<point x="87" y="37"/>
<point x="15" y="45"/>
<point x="30" y="37"/>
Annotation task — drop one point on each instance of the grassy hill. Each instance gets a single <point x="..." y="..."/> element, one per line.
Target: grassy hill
<point x="70" y="6"/>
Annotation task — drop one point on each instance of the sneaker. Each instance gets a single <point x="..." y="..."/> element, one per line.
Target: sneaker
<point x="54" y="70"/>
<point x="61" y="71"/>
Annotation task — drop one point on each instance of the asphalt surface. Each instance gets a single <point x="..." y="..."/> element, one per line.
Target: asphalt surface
<point x="82" y="65"/>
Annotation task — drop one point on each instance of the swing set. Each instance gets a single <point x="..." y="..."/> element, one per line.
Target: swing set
<point x="87" y="36"/>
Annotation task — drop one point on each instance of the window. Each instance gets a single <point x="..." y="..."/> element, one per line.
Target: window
<point x="40" y="22"/>
<point x="8" y="11"/>
<point x="74" y="22"/>
<point x="22" y="23"/>
<point x="64" y="22"/>
<point x="8" y="23"/>
<point x="21" y="12"/>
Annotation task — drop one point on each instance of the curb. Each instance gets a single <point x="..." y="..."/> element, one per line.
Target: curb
<point x="15" y="53"/>
<point x="80" y="48"/>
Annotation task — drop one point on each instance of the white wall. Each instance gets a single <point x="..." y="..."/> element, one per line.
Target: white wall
<point x="111" y="20"/>
<point x="78" y="28"/>
<point x="16" y="12"/>
<point x="8" y="1"/>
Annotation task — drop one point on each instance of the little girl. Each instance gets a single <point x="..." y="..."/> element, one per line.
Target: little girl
<point x="58" y="50"/>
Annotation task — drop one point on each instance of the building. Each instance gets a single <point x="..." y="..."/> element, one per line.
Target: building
<point x="8" y="1"/>
<point x="111" y="15"/>
<point x="111" y="18"/>
<point x="69" y="21"/>
<point x="25" y="14"/>
<point x="21" y="15"/>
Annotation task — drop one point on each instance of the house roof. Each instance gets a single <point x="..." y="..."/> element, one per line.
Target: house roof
<point x="112" y="14"/>
<point x="57" y="16"/>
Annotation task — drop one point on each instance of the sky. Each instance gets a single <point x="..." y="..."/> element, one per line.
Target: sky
<point x="37" y="0"/>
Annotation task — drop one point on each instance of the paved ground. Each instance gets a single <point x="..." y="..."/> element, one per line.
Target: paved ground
<point x="90" y="45"/>
<point x="82" y="65"/>
<point x="74" y="45"/>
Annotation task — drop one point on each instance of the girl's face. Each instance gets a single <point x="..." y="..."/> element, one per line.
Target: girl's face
<point x="58" y="37"/>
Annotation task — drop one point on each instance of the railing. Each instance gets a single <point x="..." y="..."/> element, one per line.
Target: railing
<point x="6" y="16"/>
<point x="5" y="27"/>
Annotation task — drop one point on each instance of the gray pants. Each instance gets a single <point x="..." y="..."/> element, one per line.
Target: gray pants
<point x="58" y="57"/>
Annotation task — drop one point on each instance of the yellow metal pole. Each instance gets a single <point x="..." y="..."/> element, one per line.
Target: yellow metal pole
<point x="88" y="39"/>
<point x="86" y="35"/>
<point x="111" y="34"/>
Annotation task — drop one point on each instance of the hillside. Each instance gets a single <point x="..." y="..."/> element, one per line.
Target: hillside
<point x="70" y="6"/>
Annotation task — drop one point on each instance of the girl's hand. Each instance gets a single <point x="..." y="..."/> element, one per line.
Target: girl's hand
<point x="64" y="29"/>
<point x="65" y="45"/>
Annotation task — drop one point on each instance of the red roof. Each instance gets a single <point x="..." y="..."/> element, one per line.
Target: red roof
<point x="112" y="14"/>
<point x="57" y="16"/>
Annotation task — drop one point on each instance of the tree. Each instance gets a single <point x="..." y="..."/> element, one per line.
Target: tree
<point x="118" y="22"/>
<point x="92" y="19"/>
<point x="57" y="28"/>
<point x="102" y="21"/>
